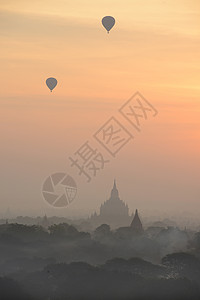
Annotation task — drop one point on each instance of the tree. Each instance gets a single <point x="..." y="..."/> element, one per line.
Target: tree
<point x="183" y="265"/>
<point x="63" y="230"/>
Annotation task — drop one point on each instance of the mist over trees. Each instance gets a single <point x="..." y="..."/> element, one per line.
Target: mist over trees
<point x="63" y="262"/>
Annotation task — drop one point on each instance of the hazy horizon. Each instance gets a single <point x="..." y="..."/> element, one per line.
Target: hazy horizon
<point x="153" y="49"/>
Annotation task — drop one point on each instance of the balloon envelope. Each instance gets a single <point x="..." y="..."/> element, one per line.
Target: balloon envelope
<point x="108" y="22"/>
<point x="51" y="83"/>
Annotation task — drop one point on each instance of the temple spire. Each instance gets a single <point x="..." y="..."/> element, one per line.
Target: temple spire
<point x="114" y="185"/>
<point x="136" y="224"/>
<point x="114" y="192"/>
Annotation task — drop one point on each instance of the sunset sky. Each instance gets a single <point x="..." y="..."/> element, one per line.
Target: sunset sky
<point x="154" y="48"/>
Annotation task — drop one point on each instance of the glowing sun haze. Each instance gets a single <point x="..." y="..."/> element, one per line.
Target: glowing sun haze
<point x="154" y="47"/>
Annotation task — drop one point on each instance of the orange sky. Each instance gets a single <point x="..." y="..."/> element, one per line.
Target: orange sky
<point x="154" y="48"/>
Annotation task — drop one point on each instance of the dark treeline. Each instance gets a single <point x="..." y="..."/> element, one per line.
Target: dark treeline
<point x="62" y="262"/>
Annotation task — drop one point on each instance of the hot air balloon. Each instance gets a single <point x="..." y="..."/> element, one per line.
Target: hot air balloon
<point x="51" y="83"/>
<point x="108" y="22"/>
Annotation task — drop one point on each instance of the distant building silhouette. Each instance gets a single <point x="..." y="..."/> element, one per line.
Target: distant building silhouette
<point x="7" y="214"/>
<point x="135" y="229"/>
<point x="45" y="222"/>
<point x="114" y="211"/>
<point x="136" y="224"/>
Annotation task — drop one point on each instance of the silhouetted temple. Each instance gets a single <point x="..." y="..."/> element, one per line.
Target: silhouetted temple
<point x="45" y="222"/>
<point x="114" y="211"/>
<point x="136" y="224"/>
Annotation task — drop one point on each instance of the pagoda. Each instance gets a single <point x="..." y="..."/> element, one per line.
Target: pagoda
<point x="136" y="224"/>
<point x="113" y="211"/>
